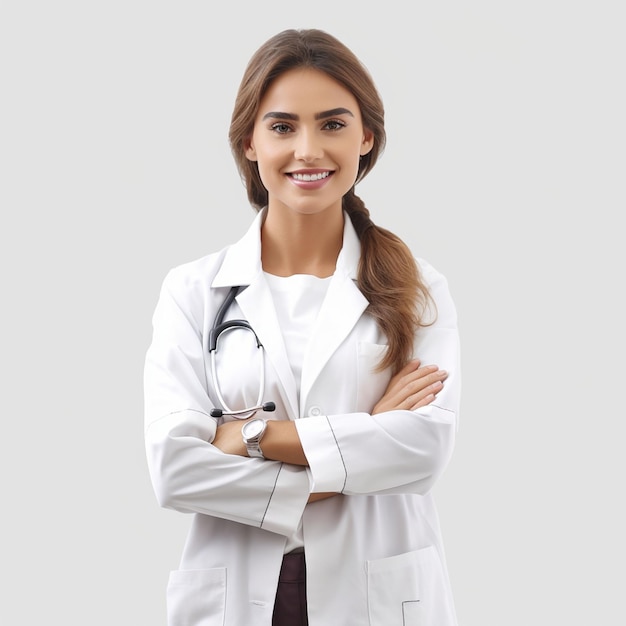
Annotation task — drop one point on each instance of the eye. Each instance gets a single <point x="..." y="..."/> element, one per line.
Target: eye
<point x="281" y="128"/>
<point x="334" y="124"/>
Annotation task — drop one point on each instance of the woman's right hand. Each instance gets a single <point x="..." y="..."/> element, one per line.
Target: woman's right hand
<point x="412" y="387"/>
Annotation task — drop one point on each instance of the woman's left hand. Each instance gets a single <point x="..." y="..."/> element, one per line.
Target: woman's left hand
<point x="414" y="386"/>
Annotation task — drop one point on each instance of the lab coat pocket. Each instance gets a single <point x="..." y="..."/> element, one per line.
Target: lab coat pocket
<point x="409" y="590"/>
<point x="371" y="383"/>
<point x="196" y="597"/>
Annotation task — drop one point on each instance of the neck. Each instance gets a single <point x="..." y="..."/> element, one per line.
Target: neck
<point x="301" y="244"/>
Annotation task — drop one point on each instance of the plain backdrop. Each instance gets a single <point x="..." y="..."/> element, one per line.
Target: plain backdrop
<point x="505" y="168"/>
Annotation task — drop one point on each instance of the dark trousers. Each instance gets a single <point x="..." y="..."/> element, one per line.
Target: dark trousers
<point x="290" y="605"/>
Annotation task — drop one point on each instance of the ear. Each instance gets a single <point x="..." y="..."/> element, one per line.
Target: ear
<point x="249" y="150"/>
<point x="368" y="142"/>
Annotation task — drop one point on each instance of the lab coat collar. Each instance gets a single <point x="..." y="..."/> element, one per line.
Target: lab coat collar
<point x="242" y="261"/>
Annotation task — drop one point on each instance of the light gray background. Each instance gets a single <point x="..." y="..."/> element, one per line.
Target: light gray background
<point x="505" y="168"/>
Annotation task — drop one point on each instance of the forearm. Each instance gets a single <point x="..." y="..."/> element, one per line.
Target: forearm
<point x="282" y="443"/>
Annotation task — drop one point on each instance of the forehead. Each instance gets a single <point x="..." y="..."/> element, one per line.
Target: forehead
<point x="306" y="90"/>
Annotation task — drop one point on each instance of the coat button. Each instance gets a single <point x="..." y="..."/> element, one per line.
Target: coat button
<point x="315" y="411"/>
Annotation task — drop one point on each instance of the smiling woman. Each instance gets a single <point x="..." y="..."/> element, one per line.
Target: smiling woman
<point x="307" y="141"/>
<point x="360" y="362"/>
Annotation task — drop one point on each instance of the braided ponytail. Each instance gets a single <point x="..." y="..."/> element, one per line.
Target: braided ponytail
<point x="389" y="278"/>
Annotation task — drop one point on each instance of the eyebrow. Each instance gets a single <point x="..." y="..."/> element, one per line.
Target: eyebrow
<point x="278" y="115"/>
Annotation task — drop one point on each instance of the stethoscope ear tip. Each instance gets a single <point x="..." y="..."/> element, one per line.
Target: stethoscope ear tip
<point x="216" y="413"/>
<point x="269" y="406"/>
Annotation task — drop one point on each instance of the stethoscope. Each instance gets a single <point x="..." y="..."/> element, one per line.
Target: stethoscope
<point x="220" y="327"/>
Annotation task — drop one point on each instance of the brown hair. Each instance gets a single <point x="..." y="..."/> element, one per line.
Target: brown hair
<point x="388" y="275"/>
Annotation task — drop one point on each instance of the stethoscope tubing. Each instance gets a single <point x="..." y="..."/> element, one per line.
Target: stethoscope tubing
<point x="218" y="329"/>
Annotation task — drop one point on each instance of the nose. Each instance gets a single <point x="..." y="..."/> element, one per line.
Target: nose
<point x="308" y="147"/>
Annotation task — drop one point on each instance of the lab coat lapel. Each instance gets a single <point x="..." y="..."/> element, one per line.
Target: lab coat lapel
<point x="341" y="310"/>
<point x="343" y="306"/>
<point x="242" y="260"/>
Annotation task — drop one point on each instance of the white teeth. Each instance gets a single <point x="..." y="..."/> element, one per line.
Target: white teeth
<point x="309" y="177"/>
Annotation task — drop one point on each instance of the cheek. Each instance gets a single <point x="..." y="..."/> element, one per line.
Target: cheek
<point x="266" y="172"/>
<point x="351" y="160"/>
<point x="270" y="161"/>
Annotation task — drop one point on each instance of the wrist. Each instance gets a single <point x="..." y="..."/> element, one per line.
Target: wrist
<point x="252" y="433"/>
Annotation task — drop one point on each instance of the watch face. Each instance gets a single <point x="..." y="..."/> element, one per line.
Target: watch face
<point x="253" y="428"/>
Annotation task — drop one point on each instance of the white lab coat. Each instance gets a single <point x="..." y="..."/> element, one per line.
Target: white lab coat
<point x="374" y="554"/>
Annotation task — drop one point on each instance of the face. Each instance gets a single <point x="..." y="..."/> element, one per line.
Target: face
<point x="307" y="140"/>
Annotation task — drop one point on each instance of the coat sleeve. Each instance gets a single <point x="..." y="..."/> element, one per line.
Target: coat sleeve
<point x="187" y="472"/>
<point x="396" y="451"/>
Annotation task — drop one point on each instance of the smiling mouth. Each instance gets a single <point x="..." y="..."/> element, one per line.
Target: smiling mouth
<point x="310" y="177"/>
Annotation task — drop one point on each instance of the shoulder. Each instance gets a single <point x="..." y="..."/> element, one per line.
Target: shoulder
<point x="429" y="273"/>
<point x="197" y="271"/>
<point x="191" y="281"/>
<point x="439" y="290"/>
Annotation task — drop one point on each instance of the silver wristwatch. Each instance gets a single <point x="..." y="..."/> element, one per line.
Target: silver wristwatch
<point x="252" y="433"/>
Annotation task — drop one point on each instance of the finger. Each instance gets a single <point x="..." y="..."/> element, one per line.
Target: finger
<point x="426" y="370"/>
<point x="409" y="391"/>
<point x="406" y="387"/>
<point x="423" y="402"/>
<point x="422" y="396"/>
<point x="410" y="368"/>
<point x="418" y="378"/>
<point x="408" y="374"/>
<point x="425" y="380"/>
<point x="427" y="395"/>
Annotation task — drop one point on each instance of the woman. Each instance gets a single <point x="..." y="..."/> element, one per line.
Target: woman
<point x="319" y="512"/>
